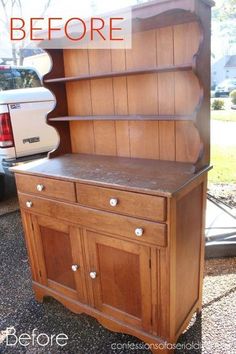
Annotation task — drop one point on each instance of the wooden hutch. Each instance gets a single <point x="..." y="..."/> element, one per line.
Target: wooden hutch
<point x="114" y="217"/>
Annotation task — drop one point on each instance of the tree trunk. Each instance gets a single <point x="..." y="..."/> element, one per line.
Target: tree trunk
<point x="21" y="57"/>
<point x="14" y="55"/>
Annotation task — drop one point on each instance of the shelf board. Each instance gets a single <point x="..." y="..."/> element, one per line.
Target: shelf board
<point x="139" y="71"/>
<point x="139" y="117"/>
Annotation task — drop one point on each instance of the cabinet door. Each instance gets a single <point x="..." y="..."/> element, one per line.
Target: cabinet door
<point x="56" y="255"/>
<point x="119" y="278"/>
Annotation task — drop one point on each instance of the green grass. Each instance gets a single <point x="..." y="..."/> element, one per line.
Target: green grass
<point x="223" y="160"/>
<point x="226" y="115"/>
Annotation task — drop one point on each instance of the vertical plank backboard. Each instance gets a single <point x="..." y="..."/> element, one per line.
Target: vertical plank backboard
<point x="166" y="88"/>
<point x="105" y="138"/>
<point x="165" y="46"/>
<point x="79" y="100"/>
<point x="144" y="142"/>
<point x="188" y="143"/>
<point x="143" y="135"/>
<point x="186" y="42"/>
<point x="102" y="102"/>
<point x="187" y="92"/>
<point x="142" y="93"/>
<point x="143" y="52"/>
<point x="82" y="137"/>
<point x="78" y="93"/>
<point x="167" y="139"/>
<point x="121" y="103"/>
<point x="170" y="93"/>
<point x="76" y="62"/>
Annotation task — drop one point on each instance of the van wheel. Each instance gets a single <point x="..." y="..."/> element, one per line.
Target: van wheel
<point x="2" y="186"/>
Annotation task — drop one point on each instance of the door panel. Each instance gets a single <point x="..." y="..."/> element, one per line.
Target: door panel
<point x="58" y="248"/>
<point x="121" y="287"/>
<point x="114" y="264"/>
<point x="58" y="268"/>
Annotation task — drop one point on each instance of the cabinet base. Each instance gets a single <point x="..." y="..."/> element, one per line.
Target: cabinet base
<point x="107" y="321"/>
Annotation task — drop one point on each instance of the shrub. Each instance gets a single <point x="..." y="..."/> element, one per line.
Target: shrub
<point x="233" y="96"/>
<point x="218" y="105"/>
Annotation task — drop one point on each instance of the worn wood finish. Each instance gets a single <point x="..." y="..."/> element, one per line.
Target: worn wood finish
<point x="134" y="127"/>
<point x="163" y="178"/>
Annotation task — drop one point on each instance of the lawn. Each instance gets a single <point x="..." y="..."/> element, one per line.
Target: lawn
<point x="223" y="160"/>
<point x="226" y="115"/>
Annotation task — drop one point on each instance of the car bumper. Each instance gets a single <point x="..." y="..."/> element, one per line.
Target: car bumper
<point x="8" y="163"/>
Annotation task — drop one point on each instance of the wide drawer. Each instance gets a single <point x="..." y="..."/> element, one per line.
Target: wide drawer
<point x="47" y="187"/>
<point x="132" y="228"/>
<point x="127" y="203"/>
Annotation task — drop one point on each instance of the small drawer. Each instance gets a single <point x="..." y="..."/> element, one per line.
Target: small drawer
<point x="46" y="187"/>
<point x="127" y="203"/>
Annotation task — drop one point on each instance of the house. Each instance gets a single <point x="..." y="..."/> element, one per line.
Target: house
<point x="6" y="56"/>
<point x="224" y="68"/>
<point x="40" y="61"/>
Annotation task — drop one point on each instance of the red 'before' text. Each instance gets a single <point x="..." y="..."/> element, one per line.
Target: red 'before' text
<point x="41" y="29"/>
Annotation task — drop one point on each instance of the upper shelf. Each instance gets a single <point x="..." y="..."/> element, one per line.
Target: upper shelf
<point x="139" y="71"/>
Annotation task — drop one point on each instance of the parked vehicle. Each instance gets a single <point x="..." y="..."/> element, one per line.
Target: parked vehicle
<point x="24" y="134"/>
<point x="225" y="87"/>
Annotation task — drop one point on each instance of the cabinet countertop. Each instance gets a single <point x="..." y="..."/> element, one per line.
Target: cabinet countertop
<point x="139" y="175"/>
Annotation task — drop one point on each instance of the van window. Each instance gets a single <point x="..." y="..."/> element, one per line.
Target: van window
<point x="6" y="80"/>
<point x="13" y="78"/>
<point x="25" y="78"/>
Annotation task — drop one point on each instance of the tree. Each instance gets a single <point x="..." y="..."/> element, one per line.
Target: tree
<point x="14" y="8"/>
<point x="224" y="16"/>
<point x="224" y="10"/>
<point x="229" y="9"/>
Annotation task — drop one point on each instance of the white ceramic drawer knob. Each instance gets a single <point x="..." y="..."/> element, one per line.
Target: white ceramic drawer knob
<point x="93" y="275"/>
<point x="113" y="202"/>
<point x="75" y="267"/>
<point x="139" y="232"/>
<point x="40" y="187"/>
<point x="29" y="204"/>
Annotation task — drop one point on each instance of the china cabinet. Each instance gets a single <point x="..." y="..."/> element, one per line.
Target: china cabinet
<point x="114" y="217"/>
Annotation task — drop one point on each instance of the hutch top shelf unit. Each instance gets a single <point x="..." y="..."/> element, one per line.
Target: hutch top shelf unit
<point x="151" y="101"/>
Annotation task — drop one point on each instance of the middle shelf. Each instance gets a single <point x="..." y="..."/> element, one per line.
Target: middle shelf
<point x="137" y="117"/>
<point x="103" y="75"/>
